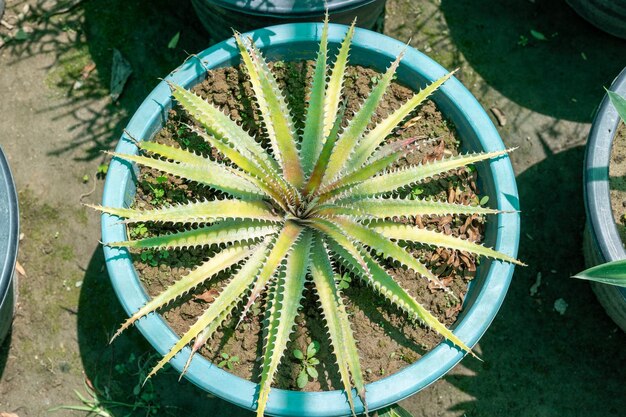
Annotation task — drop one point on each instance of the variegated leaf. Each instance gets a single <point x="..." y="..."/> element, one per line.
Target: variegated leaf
<point x="376" y="136"/>
<point x="313" y="135"/>
<point x="223" y="232"/>
<point x="196" y="212"/>
<point x="284" y="298"/>
<point x="219" y="262"/>
<point x="386" y="247"/>
<point x="352" y="134"/>
<point x="385" y="208"/>
<point x="278" y="250"/>
<point x="392" y="291"/>
<point x="220" y="125"/>
<point x="208" y="173"/>
<point x="274" y="111"/>
<point x="399" y="231"/>
<point x="412" y="175"/>
<point x="337" y="322"/>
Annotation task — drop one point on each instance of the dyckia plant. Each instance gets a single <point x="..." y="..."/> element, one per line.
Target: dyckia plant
<point x="312" y="202"/>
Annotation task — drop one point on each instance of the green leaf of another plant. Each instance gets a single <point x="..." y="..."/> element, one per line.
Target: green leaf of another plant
<point x="619" y="102"/>
<point x="612" y="273"/>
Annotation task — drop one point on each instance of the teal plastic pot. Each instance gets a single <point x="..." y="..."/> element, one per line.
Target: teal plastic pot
<point x="370" y="49"/>
<point x="602" y="241"/>
<point x="9" y="237"/>
<point x="220" y="17"/>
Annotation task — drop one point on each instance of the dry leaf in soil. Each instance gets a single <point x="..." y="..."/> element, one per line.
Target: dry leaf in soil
<point x="207" y="296"/>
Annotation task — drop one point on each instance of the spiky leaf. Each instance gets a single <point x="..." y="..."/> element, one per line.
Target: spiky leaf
<point x="208" y="173"/>
<point x="357" y="126"/>
<point x="412" y="175"/>
<point x="313" y="135"/>
<point x="385" y="208"/>
<point x="411" y="233"/>
<point x="276" y="116"/>
<point x="284" y="301"/>
<point x="223" y="232"/>
<point x="376" y="136"/>
<point x="384" y="283"/>
<point x="221" y="261"/>
<point x="199" y="212"/>
<point x="337" y="322"/>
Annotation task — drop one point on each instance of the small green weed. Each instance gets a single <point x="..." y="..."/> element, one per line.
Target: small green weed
<point x="416" y="192"/>
<point x="522" y="41"/>
<point x="102" y="170"/>
<point x="153" y="258"/>
<point x="344" y="281"/>
<point x="308" y="363"/>
<point x="139" y="230"/>
<point x="228" y="361"/>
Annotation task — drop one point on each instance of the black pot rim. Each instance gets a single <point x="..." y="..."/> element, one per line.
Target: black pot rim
<point x="596" y="176"/>
<point x="287" y="11"/>
<point x="8" y="257"/>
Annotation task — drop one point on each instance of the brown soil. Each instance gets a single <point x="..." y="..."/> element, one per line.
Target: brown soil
<point x="617" y="180"/>
<point x="387" y="340"/>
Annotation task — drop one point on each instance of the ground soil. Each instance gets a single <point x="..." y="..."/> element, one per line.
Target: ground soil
<point x="387" y="340"/>
<point x="57" y="117"/>
<point x="617" y="180"/>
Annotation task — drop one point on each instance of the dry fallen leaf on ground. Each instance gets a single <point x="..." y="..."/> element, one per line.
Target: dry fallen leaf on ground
<point x="8" y="415"/>
<point x="499" y="115"/>
<point x="87" y="70"/>
<point x="120" y="71"/>
<point x="20" y="270"/>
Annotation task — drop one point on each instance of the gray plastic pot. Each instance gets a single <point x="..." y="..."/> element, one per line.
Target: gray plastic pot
<point x="606" y="15"/>
<point x="602" y="242"/>
<point x="9" y="237"/>
<point x="220" y="17"/>
<point x="370" y="49"/>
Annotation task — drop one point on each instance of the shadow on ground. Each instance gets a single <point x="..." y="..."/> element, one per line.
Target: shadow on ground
<point x="536" y="361"/>
<point x="559" y="76"/>
<point x="117" y="370"/>
<point x="80" y="34"/>
<point x="4" y="352"/>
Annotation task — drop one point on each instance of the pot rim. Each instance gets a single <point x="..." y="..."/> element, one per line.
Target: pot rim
<point x="288" y="8"/>
<point x="388" y="390"/>
<point x="10" y="222"/>
<point x="604" y="233"/>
